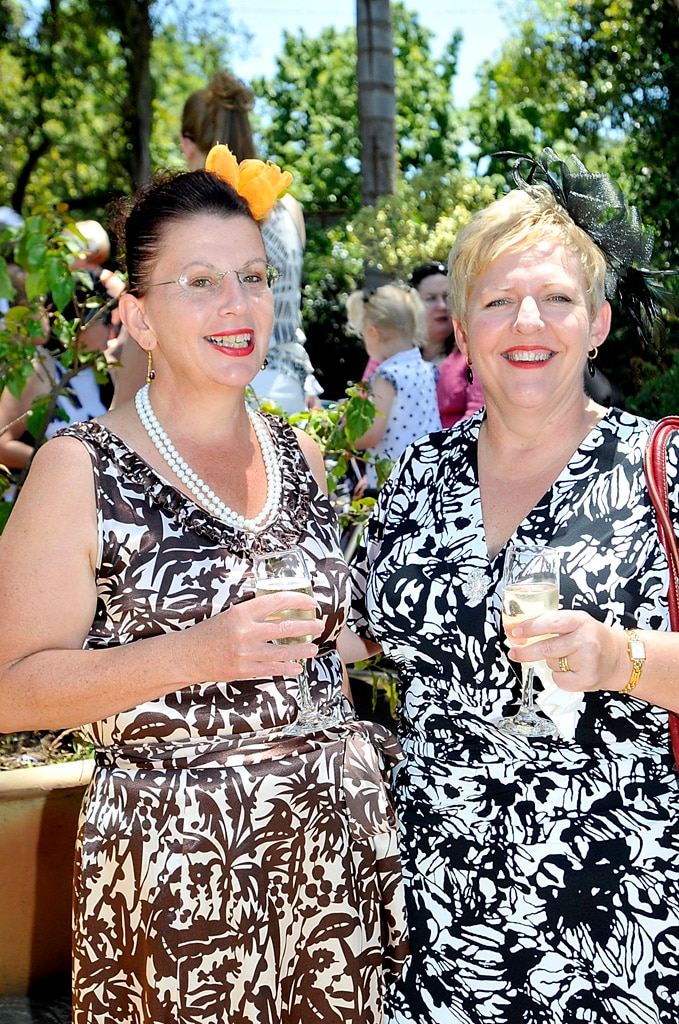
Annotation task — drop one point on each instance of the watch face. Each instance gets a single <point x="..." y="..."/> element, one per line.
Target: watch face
<point x="637" y="650"/>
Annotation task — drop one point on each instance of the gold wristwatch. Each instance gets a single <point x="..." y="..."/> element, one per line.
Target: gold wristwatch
<point x="637" y="655"/>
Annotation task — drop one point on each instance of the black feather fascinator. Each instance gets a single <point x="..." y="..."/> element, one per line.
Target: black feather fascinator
<point x="596" y="204"/>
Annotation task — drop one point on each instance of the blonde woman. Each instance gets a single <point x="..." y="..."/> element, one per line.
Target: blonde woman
<point x="541" y="871"/>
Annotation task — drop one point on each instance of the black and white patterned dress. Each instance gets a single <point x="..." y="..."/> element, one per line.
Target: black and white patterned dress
<point x="542" y="876"/>
<point x="225" y="873"/>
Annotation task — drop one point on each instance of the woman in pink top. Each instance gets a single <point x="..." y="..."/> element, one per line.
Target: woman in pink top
<point x="458" y="393"/>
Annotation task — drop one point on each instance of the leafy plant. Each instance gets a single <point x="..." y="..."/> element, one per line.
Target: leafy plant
<point x="335" y="427"/>
<point x="42" y="253"/>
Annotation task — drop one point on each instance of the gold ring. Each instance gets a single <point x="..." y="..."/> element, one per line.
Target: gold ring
<point x="563" y="664"/>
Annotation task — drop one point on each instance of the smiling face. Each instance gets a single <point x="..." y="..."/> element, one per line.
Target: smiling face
<point x="198" y="333"/>
<point x="529" y="326"/>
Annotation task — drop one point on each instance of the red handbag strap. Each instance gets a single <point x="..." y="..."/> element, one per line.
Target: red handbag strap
<point x="655" y="467"/>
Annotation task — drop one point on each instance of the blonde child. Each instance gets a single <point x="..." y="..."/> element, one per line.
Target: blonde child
<point x="391" y="321"/>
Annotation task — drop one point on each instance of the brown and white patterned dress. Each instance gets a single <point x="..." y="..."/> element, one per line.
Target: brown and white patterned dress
<point x="226" y="873"/>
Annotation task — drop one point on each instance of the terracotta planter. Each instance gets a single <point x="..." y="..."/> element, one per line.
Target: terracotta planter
<point x="38" y="820"/>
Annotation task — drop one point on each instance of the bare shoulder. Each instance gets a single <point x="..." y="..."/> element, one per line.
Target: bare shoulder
<point x="312" y="453"/>
<point x="57" y="494"/>
<point x="62" y="455"/>
<point x="383" y="392"/>
<point x="48" y="553"/>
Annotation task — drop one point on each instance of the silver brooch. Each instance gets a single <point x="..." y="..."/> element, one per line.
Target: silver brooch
<point x="476" y="587"/>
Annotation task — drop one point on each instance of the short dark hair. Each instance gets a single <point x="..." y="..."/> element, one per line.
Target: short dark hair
<point x="426" y="270"/>
<point x="142" y="221"/>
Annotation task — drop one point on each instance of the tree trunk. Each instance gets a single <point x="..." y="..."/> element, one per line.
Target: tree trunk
<point x="137" y="36"/>
<point x="376" y="99"/>
<point x="376" y="106"/>
<point x="31" y="162"/>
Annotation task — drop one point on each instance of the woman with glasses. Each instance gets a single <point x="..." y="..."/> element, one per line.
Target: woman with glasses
<point x="226" y="871"/>
<point x="220" y="113"/>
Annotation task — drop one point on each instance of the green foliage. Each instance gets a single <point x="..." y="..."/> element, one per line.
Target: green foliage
<point x="379" y="673"/>
<point x="421" y="220"/>
<point x="335" y="428"/>
<point x="333" y="268"/>
<point x="43" y="248"/>
<point x="59" y="108"/>
<point x="309" y="118"/>
<point x="659" y="394"/>
<point x="64" y="105"/>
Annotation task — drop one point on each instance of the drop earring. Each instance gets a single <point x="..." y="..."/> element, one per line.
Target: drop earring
<point x="264" y="364"/>
<point x="591" y="356"/>
<point x="470" y="372"/>
<point x="150" y="372"/>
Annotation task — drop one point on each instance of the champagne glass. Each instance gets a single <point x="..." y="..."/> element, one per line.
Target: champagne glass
<point x="531" y="586"/>
<point x="286" y="571"/>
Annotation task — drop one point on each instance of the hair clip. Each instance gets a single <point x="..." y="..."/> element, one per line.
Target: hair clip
<point x="595" y="203"/>
<point x="259" y="183"/>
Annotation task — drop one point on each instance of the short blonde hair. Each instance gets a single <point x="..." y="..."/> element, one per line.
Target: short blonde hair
<point x="393" y="308"/>
<point x="517" y="222"/>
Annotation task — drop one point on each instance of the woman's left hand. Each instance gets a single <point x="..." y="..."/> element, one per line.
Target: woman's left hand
<point x="583" y="653"/>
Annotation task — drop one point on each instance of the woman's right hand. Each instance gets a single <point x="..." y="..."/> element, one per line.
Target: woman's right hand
<point x="251" y="640"/>
<point x="48" y="678"/>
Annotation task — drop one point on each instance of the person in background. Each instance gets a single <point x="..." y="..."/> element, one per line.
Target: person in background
<point x="459" y="394"/>
<point x="431" y="283"/>
<point x="541" y="871"/>
<point x="220" y="113"/>
<point x="81" y="398"/>
<point x="98" y="287"/>
<point x="225" y="870"/>
<point x="390" y="320"/>
<point x="9" y="218"/>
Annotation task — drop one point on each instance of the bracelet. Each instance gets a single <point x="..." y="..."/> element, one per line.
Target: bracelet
<point x="637" y="655"/>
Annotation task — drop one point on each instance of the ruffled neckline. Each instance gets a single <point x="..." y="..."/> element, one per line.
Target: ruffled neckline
<point x="284" y="529"/>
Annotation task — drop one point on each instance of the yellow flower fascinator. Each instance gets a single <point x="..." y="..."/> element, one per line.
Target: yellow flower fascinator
<point x="259" y="183"/>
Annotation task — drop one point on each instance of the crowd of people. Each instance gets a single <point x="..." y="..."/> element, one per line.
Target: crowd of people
<point x="229" y="870"/>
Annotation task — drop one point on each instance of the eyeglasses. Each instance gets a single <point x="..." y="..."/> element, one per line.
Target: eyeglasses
<point x="203" y="284"/>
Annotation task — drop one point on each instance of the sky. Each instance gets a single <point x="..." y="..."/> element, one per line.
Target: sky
<point x="480" y="21"/>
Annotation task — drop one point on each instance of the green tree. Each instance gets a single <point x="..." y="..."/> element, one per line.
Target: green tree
<point x="92" y="93"/>
<point x="309" y="111"/>
<point x="59" y="108"/>
<point x="309" y="123"/>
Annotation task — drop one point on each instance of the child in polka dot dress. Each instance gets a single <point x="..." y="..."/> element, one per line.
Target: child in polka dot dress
<point x="391" y="322"/>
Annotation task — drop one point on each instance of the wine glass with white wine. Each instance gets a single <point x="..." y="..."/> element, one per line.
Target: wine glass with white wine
<point x="530" y="587"/>
<point x="287" y="571"/>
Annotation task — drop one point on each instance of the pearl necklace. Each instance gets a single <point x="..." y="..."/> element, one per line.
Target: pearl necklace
<point x="200" y="490"/>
